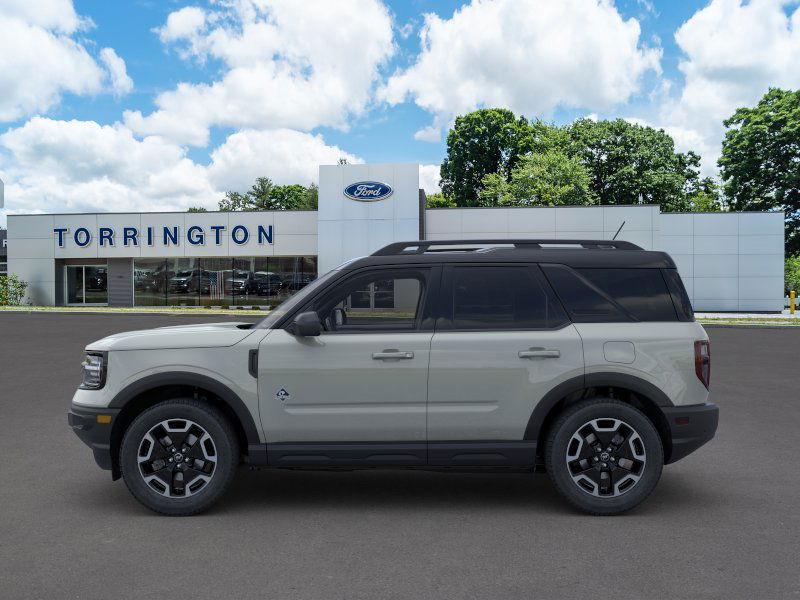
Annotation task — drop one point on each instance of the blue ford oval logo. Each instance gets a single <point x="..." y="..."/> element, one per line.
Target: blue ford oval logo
<point x="368" y="191"/>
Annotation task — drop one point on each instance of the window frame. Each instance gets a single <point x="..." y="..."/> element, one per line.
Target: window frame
<point x="444" y="319"/>
<point x="429" y="275"/>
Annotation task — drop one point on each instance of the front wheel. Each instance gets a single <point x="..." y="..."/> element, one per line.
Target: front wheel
<point x="604" y="456"/>
<point x="178" y="457"/>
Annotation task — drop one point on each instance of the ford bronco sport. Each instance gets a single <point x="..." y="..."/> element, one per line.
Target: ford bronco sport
<point x="580" y="358"/>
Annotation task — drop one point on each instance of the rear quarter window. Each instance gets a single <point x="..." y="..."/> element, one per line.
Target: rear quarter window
<point x="641" y="292"/>
<point x="613" y="295"/>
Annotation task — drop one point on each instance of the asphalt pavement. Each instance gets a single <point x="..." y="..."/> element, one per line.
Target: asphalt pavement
<point x="722" y="523"/>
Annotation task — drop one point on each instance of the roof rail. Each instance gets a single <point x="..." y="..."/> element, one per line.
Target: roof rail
<point x="423" y="246"/>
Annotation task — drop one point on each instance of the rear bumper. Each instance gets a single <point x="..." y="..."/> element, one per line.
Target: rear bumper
<point x="690" y="427"/>
<point x="97" y="436"/>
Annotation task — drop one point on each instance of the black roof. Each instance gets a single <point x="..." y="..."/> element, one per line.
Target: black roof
<point x="573" y="253"/>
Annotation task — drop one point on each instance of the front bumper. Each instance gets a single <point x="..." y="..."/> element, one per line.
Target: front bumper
<point x="96" y="435"/>
<point x="690" y="427"/>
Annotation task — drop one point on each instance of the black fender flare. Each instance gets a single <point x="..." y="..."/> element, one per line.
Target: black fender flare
<point x="187" y="378"/>
<point x="582" y="382"/>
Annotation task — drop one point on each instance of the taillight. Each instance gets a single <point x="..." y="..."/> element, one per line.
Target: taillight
<point x="702" y="361"/>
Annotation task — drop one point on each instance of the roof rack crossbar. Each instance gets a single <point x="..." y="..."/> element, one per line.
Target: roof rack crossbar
<point x="423" y="246"/>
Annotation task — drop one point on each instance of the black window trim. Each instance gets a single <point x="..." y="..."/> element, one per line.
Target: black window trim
<point x="425" y="320"/>
<point x="443" y="320"/>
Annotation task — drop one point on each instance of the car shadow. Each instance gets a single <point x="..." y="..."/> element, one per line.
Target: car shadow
<point x="398" y="490"/>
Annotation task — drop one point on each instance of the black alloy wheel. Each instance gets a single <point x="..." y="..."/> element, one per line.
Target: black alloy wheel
<point x="178" y="457"/>
<point x="604" y="456"/>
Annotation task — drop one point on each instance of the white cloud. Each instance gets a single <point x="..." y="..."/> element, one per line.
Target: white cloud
<point x="528" y="55"/>
<point x="183" y="24"/>
<point x="429" y="178"/>
<point x="83" y="166"/>
<point x="73" y="166"/>
<point x="734" y="51"/>
<point x="58" y="15"/>
<point x="121" y="83"/>
<point x="283" y="155"/>
<point x="285" y="66"/>
<point x="41" y="58"/>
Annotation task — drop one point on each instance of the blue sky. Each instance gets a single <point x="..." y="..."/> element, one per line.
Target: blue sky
<point x="128" y="26"/>
<point x="156" y="104"/>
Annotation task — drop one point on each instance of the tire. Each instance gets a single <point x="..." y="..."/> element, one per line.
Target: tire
<point x="632" y="468"/>
<point x="207" y="461"/>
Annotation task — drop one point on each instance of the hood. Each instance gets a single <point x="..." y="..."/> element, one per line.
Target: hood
<point x="211" y="335"/>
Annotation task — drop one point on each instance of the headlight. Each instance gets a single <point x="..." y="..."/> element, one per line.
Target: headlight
<point x="94" y="371"/>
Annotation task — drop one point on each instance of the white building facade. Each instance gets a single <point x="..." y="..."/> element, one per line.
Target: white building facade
<point x="728" y="261"/>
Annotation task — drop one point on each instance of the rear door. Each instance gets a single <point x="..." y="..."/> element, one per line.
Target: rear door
<point x="502" y="341"/>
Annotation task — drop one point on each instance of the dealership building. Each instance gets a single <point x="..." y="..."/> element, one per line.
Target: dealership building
<point x="728" y="261"/>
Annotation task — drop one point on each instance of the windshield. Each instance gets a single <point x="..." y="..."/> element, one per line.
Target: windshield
<point x="183" y="274"/>
<point x="292" y="302"/>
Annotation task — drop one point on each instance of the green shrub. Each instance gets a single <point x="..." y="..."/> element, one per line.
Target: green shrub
<point x="12" y="290"/>
<point x="792" y="274"/>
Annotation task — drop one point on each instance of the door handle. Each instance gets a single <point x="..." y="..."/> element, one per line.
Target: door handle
<point x="392" y="354"/>
<point x="539" y="353"/>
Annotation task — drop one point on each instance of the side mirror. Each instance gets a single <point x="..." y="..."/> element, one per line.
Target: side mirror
<point x="306" y="324"/>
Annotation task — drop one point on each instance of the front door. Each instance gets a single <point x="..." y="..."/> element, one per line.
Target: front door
<point x="501" y="343"/>
<point x="358" y="392"/>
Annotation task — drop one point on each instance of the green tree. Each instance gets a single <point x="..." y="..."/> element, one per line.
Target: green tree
<point x="485" y="141"/>
<point x="791" y="277"/>
<point x="260" y="194"/>
<point x="627" y="161"/>
<point x="288" y="197"/>
<point x="197" y="209"/>
<point x="706" y="196"/>
<point x="265" y="195"/>
<point x="234" y="201"/>
<point x="548" y="179"/>
<point x="312" y="197"/>
<point x="439" y="200"/>
<point x="760" y="162"/>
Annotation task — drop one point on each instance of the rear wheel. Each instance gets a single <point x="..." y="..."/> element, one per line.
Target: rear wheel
<point x="178" y="457"/>
<point x="604" y="456"/>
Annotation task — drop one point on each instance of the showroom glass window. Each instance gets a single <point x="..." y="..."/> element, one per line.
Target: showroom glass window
<point x="242" y="281"/>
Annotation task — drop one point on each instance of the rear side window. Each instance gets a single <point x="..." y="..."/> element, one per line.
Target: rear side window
<point x="585" y="302"/>
<point x="602" y="295"/>
<point x="641" y="292"/>
<point x="500" y="298"/>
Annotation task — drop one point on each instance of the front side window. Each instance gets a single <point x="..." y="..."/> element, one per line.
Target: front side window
<point x="381" y="300"/>
<point x="500" y="298"/>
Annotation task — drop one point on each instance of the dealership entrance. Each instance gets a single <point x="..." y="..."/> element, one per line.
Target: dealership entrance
<point x="86" y="284"/>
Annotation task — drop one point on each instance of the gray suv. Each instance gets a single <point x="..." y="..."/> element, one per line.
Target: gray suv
<point x="578" y="358"/>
